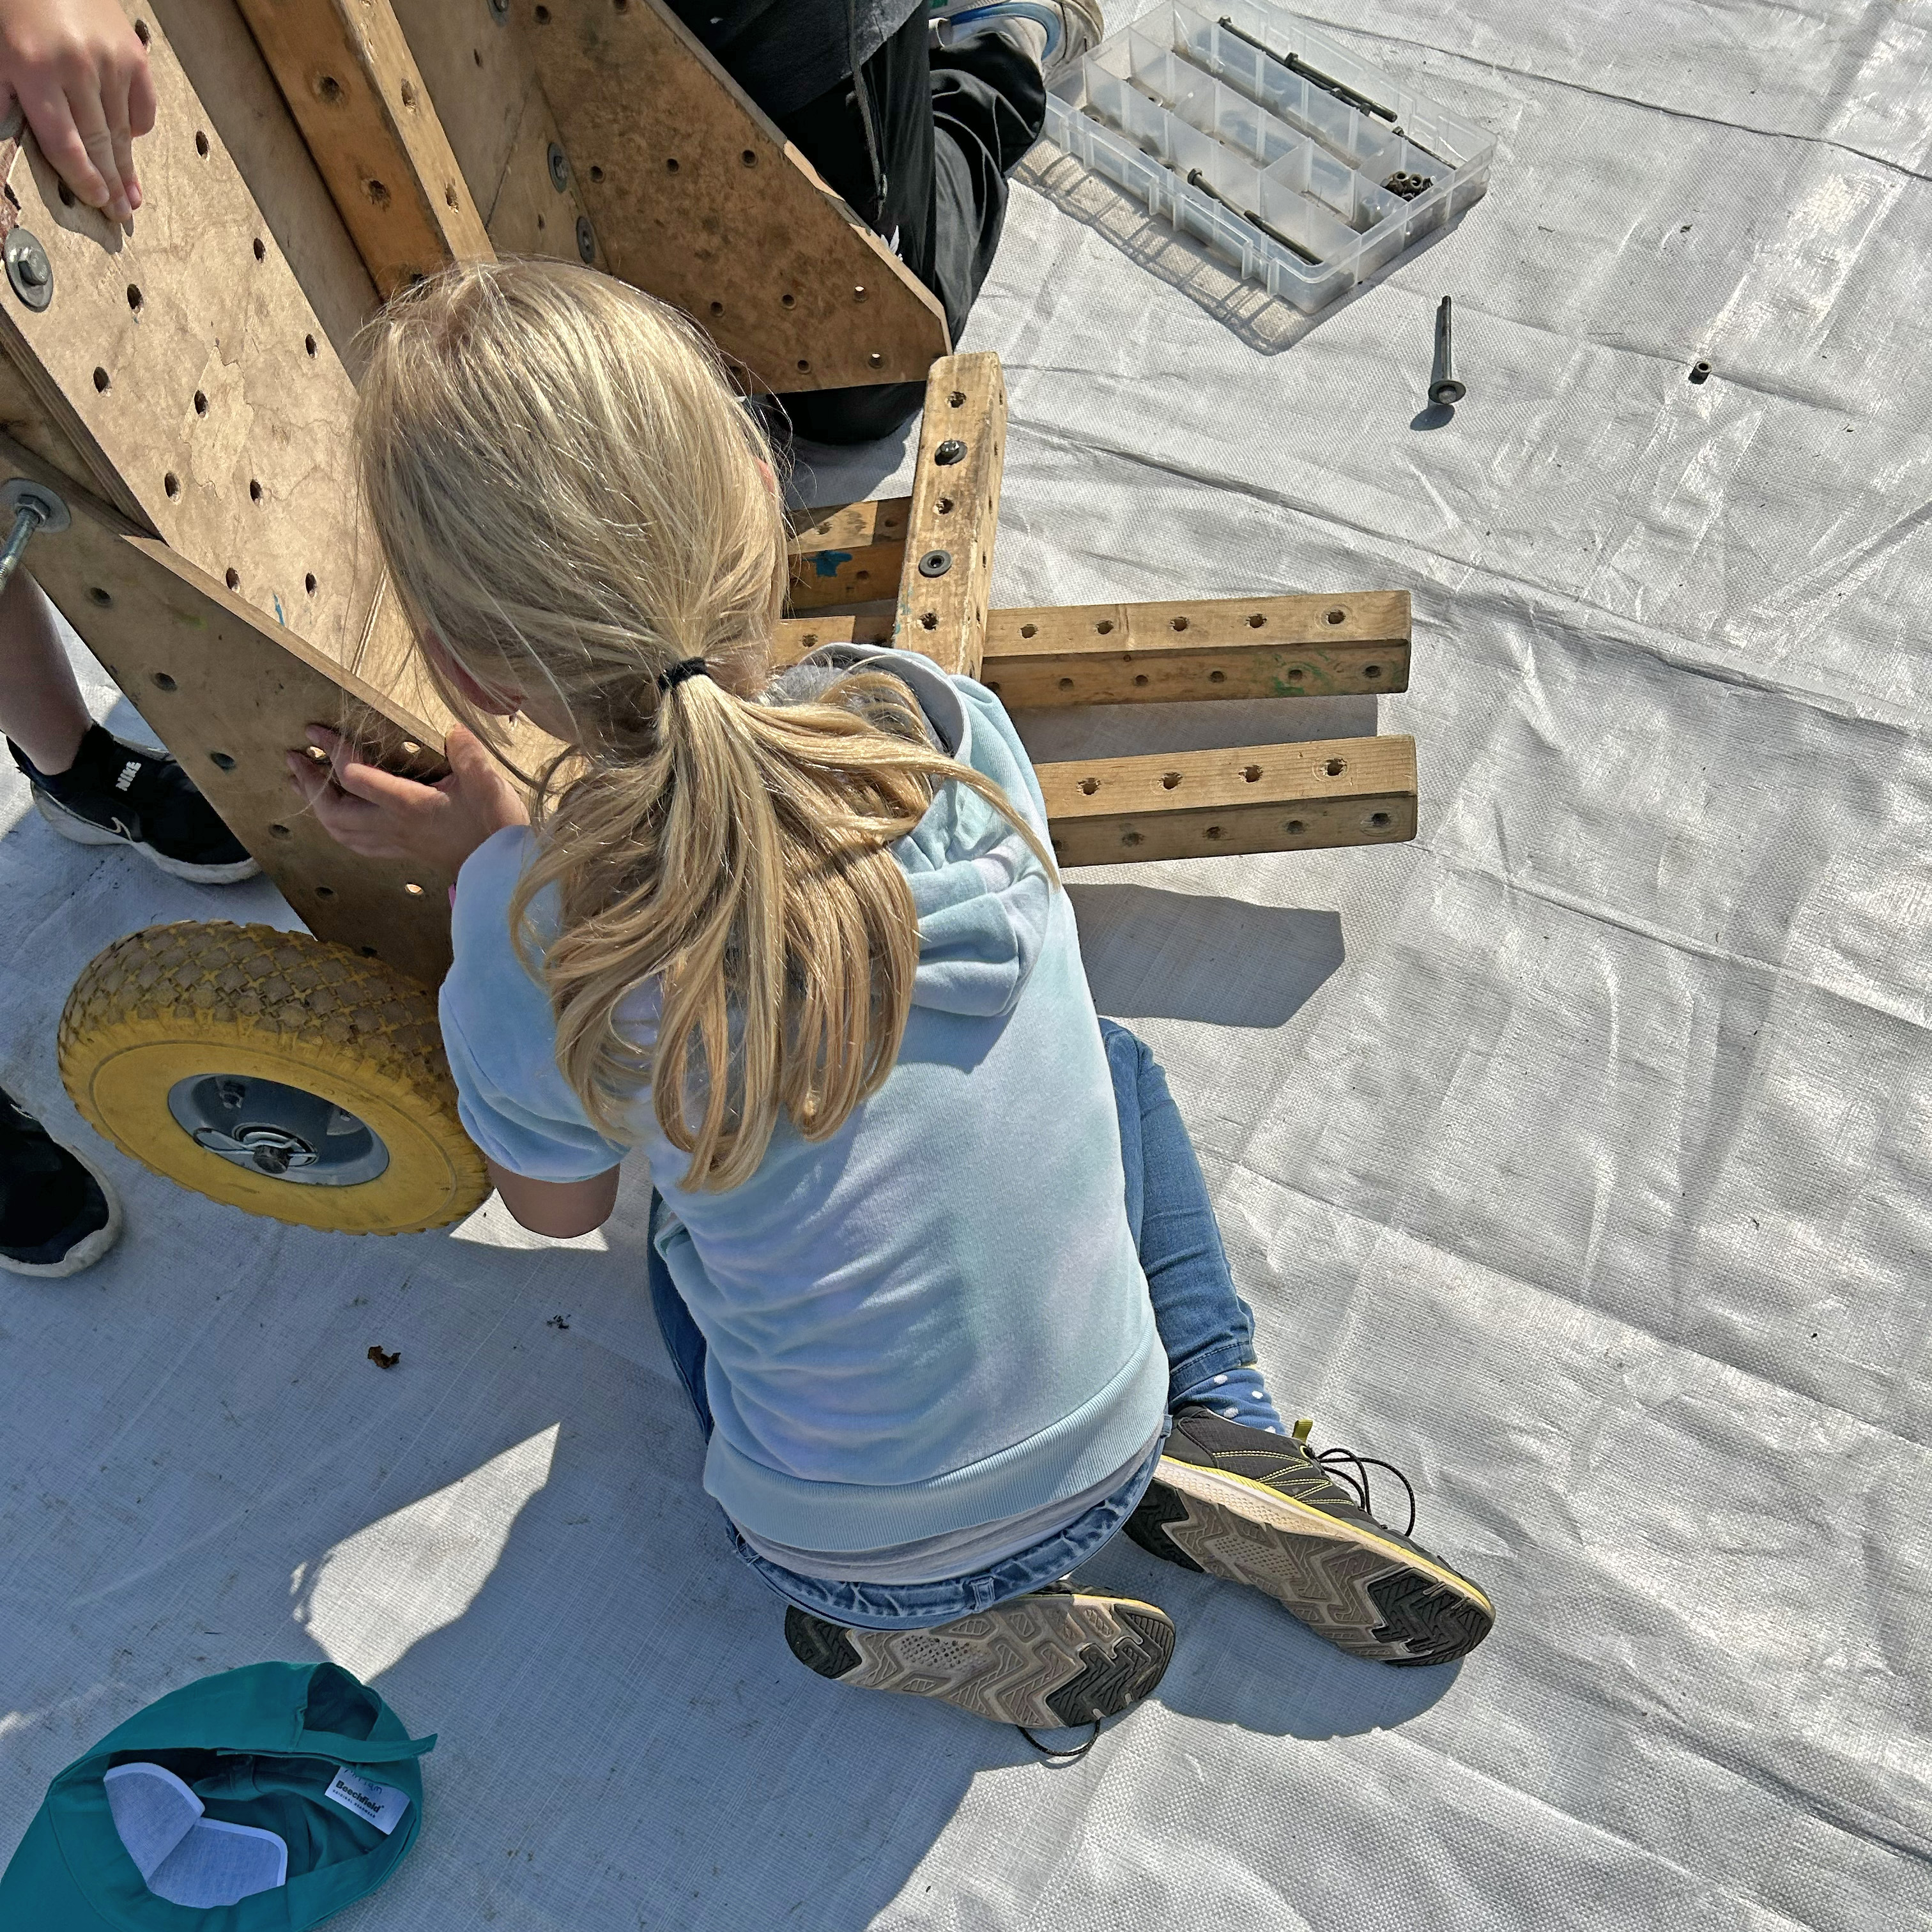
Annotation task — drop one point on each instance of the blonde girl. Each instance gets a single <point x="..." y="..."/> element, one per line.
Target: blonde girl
<point x="927" y="1243"/>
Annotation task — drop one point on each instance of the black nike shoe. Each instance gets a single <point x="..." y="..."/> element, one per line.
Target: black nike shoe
<point x="1046" y="1661"/>
<point x="116" y="794"/>
<point x="1256" y="1508"/>
<point x="58" y="1214"/>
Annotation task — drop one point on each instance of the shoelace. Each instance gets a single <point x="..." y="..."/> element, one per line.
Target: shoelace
<point x="1356" y="1480"/>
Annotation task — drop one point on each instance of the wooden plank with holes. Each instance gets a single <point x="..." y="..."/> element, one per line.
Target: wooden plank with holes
<point x="697" y="196"/>
<point x="228" y="691"/>
<point x="955" y="512"/>
<point x="184" y="362"/>
<point x="848" y="553"/>
<point x="1194" y="648"/>
<point x="1303" y="646"/>
<point x="1262" y="798"/>
<point x="353" y="85"/>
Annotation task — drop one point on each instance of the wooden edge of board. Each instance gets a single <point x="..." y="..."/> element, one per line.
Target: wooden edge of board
<point x="345" y="69"/>
<point x="1258" y="798"/>
<point x="955" y="512"/>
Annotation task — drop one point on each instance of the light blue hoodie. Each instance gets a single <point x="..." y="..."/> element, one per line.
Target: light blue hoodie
<point x="936" y="1318"/>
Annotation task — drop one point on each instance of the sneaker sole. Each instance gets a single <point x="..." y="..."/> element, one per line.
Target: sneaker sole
<point x="85" y="1252"/>
<point x="1366" y="1595"/>
<point x="85" y="832"/>
<point x="1047" y="1663"/>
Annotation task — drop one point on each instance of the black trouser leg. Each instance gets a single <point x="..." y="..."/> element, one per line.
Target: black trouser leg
<point x="951" y="124"/>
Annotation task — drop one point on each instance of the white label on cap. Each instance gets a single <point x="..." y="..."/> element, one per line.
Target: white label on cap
<point x="381" y="1805"/>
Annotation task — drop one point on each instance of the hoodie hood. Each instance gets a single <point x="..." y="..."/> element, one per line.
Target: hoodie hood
<point x="984" y="900"/>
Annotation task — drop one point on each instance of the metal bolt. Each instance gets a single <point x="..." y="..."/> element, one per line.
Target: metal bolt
<point x="951" y="451"/>
<point x="28" y="270"/>
<point x="935" y="563"/>
<point x="34" y="508"/>
<point x="1700" y="372"/>
<point x="1443" y="386"/>
<point x="587" y="239"/>
<point x="559" y="168"/>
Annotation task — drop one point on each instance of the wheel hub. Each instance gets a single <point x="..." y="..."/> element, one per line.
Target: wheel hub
<point x="281" y="1131"/>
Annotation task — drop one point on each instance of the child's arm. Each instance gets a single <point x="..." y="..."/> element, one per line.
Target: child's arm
<point x="558" y="1208"/>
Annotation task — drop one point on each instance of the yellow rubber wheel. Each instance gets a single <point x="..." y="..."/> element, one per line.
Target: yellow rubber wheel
<point x="273" y="1072"/>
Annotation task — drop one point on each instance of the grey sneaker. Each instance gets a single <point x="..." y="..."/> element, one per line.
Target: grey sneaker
<point x="1073" y="28"/>
<point x="1258" y="1508"/>
<point x="1047" y="1661"/>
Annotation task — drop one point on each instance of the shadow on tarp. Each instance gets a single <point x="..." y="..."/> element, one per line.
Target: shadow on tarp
<point x="1152" y="954"/>
<point x="1267" y="324"/>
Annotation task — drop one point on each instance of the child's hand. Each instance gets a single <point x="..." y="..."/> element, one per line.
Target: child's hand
<point x="80" y="73"/>
<point x="381" y="816"/>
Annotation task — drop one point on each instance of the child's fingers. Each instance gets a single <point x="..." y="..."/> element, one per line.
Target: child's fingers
<point x="90" y="117"/>
<point x="51" y="119"/>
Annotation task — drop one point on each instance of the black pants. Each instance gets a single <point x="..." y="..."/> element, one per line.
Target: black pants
<point x="950" y="123"/>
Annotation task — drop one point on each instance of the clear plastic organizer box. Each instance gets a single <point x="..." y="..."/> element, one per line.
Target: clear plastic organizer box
<point x="1252" y="131"/>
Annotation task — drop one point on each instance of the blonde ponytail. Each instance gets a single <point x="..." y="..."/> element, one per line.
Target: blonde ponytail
<point x="570" y="497"/>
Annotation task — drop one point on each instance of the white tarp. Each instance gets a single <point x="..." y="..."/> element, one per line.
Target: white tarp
<point x="1575" y="1157"/>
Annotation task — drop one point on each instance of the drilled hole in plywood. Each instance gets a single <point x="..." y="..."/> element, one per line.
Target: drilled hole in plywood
<point x="476" y="55"/>
<point x="1178" y="624"/>
<point x="368" y="953"/>
<point x="542" y="224"/>
<point x="1168" y="780"/>
<point x="1294" y="825"/>
<point x="811" y="641"/>
<point x="1066" y="684"/>
<point x="1295" y="674"/>
<point x="134" y="298"/>
<point x="254" y="490"/>
<point x="378" y="192"/>
<point x="1140" y="678"/>
<point x="542" y="16"/>
<point x="234" y="578"/>
<point x="409" y="95"/>
<point x="201" y="144"/>
<point x="1105" y="626"/>
<point x="596" y="174"/>
<point x="750" y="159"/>
<point x="96" y="595"/>
<point x="261" y="250"/>
<point x="279" y="832"/>
<point x="717" y="308"/>
<point x="1130" y="838"/>
<point x="308" y="344"/>
<point x="787" y="300"/>
<point x="1335" y="767"/>
<point x="670" y="164"/>
<point x="1090" y="786"/>
<point x="325" y="892"/>
<point x="200" y="403"/>
<point x="143" y="32"/>
<point x="449" y="194"/>
<point x="415" y="891"/>
<point x="804" y="366"/>
<point x="1211" y="832"/>
<point x="101" y="380"/>
<point x="329" y="88"/>
<point x="1217" y="677"/>
<point x="958" y="399"/>
<point x="222" y="761"/>
<point x="944" y="506"/>
<point x="162" y="681"/>
<point x="928" y="620"/>
<point x="1372" y="670"/>
<point x="1029" y="630"/>
<point x="308" y="584"/>
<point x="171" y="483"/>
<point x="1256" y="621"/>
<point x="1378" y="820"/>
<point x="1337" y="616"/>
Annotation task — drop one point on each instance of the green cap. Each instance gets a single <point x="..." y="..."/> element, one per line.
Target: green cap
<point x="303" y="1751"/>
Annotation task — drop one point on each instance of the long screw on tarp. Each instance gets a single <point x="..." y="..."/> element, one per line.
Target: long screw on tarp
<point x="1443" y="386"/>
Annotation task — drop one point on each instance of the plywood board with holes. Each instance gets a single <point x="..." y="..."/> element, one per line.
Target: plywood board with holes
<point x="848" y="553"/>
<point x="1348" y="642"/>
<point x="1262" y="798"/>
<point x="697" y="196"/>
<point x="228" y="693"/>
<point x="247" y="112"/>
<point x="479" y="75"/>
<point x="351" y="83"/>
<point x="955" y="512"/>
<point x="538" y="210"/>
<point x="185" y="361"/>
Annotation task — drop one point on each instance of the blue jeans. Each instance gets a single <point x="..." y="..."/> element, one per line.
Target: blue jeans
<point x="1206" y="1328"/>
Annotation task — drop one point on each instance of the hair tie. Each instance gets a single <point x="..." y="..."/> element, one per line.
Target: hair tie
<point x="678" y="673"/>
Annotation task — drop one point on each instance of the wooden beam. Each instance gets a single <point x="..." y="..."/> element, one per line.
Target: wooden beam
<point x="697" y="196"/>
<point x="955" y="512"/>
<point x="848" y="553"/>
<point x="228" y="692"/>
<point x="1193" y="648"/>
<point x="1262" y="798"/>
<point x="353" y="87"/>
